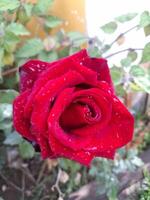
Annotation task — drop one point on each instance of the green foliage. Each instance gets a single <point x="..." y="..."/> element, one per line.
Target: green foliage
<point x="13" y="139"/>
<point x="145" y="143"/>
<point x="9" y="5"/>
<point x="145" y="19"/>
<point x="146" y="53"/>
<point x="109" y="27"/>
<point x="17" y="29"/>
<point x="106" y="171"/>
<point x="31" y="48"/>
<point x="132" y="55"/>
<point x="116" y="74"/>
<point x="7" y="96"/>
<point x="42" y="7"/>
<point x="125" y="18"/>
<point x="145" y="189"/>
<point x="52" y="21"/>
<point x="147" y="30"/>
<point x="26" y="150"/>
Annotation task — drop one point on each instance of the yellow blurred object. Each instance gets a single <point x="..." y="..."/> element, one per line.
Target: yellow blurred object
<point x="71" y="11"/>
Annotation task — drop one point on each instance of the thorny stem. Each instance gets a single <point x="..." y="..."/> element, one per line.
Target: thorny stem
<point x="124" y="50"/>
<point x="56" y="185"/>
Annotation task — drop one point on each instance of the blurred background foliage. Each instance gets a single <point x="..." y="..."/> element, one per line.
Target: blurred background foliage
<point x="23" y="175"/>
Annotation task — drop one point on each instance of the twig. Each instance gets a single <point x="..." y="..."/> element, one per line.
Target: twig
<point x="10" y="71"/>
<point x="41" y="172"/>
<point x="56" y="185"/>
<point x="122" y="34"/>
<point x="10" y="183"/>
<point x="23" y="186"/>
<point x="124" y="50"/>
<point x="27" y="172"/>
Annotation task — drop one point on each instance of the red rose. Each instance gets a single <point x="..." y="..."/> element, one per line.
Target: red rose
<point x="69" y="109"/>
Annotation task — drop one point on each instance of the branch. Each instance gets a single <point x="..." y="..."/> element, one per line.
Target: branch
<point x="124" y="50"/>
<point x="56" y="185"/>
<point x="10" y="183"/>
<point x="122" y="34"/>
<point x="9" y="71"/>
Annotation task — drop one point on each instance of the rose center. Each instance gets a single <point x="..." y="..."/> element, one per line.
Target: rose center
<point x="79" y="114"/>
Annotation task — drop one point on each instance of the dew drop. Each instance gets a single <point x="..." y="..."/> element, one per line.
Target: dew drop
<point x="32" y="69"/>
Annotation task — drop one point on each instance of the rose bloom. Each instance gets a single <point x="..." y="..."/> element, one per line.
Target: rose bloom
<point x="69" y="109"/>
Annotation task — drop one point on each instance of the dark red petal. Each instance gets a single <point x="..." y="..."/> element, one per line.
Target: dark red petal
<point x="118" y="132"/>
<point x="67" y="139"/>
<point x="20" y="123"/>
<point x="43" y="101"/>
<point x="100" y="66"/>
<point x="56" y="71"/>
<point x="106" y="154"/>
<point x="29" y="73"/>
<point x="83" y="157"/>
<point x="46" y="95"/>
<point x="103" y="110"/>
<point x="80" y="113"/>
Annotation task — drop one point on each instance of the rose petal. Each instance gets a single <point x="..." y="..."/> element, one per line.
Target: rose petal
<point x="29" y="73"/>
<point x="21" y="124"/>
<point x="118" y="132"/>
<point x="83" y="157"/>
<point x="56" y="71"/>
<point x="100" y="66"/>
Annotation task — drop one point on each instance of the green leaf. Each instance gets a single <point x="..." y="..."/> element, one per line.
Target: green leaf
<point x="132" y="55"/>
<point x="31" y="48"/>
<point x="76" y="38"/>
<point x="126" y="62"/>
<point x="9" y="4"/>
<point x="17" y="29"/>
<point x="11" y="38"/>
<point x="7" y="96"/>
<point x="143" y="82"/>
<point x="1" y="57"/>
<point x="42" y="7"/>
<point x="52" y="21"/>
<point x="74" y="50"/>
<point x="137" y="71"/>
<point x="28" y="9"/>
<point x="147" y="30"/>
<point x="109" y="27"/>
<point x="10" y="41"/>
<point x="146" y="53"/>
<point x="48" y="56"/>
<point x="69" y="165"/>
<point x="116" y="75"/>
<point x="94" y="52"/>
<point x="26" y="150"/>
<point x="63" y="52"/>
<point x="125" y="18"/>
<point x="13" y="139"/>
<point x="5" y="111"/>
<point x="145" y="19"/>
